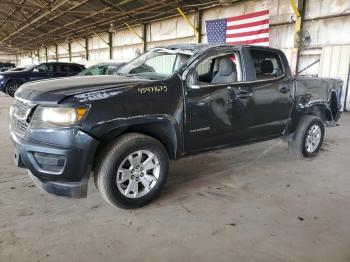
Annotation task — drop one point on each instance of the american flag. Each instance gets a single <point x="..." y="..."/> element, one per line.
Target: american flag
<point x="248" y="29"/>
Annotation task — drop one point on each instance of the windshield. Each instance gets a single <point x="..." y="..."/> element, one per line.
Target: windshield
<point x="30" y="67"/>
<point x="157" y="64"/>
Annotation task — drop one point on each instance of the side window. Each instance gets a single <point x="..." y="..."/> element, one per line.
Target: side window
<point x="267" y="64"/>
<point x="65" y="69"/>
<point x="74" y="69"/>
<point x="52" y="68"/>
<point x="219" y="69"/>
<point x="43" y="68"/>
<point x="204" y="70"/>
<point x="111" y="69"/>
<point x="68" y="69"/>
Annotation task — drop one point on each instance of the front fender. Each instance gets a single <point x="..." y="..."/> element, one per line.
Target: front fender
<point x="164" y="128"/>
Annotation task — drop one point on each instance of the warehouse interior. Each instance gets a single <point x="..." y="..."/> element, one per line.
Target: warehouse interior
<point x="88" y="32"/>
<point x="250" y="203"/>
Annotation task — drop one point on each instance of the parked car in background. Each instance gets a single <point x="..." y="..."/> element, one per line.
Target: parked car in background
<point x="16" y="69"/>
<point x="6" y="66"/>
<point x="101" y="69"/>
<point x="11" y="80"/>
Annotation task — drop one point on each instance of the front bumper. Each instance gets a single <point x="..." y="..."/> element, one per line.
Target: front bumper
<point x="59" y="161"/>
<point x="68" y="189"/>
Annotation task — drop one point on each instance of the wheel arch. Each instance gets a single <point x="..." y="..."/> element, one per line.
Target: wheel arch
<point x="162" y="129"/>
<point x="21" y="81"/>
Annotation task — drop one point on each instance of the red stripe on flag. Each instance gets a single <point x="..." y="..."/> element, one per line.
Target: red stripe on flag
<point x="262" y="22"/>
<point x="257" y="32"/>
<point x="248" y="42"/>
<point x="251" y="15"/>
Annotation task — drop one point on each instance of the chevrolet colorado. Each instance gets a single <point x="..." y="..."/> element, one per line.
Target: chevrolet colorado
<point x="167" y="103"/>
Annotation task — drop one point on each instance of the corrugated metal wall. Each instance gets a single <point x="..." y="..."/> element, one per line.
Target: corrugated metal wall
<point x="6" y="57"/>
<point x="335" y="62"/>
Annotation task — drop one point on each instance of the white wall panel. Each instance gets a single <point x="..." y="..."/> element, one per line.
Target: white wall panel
<point x="126" y="53"/>
<point x="78" y="51"/>
<point x="288" y="53"/>
<point x="335" y="62"/>
<point x="317" y="8"/>
<point x="42" y="55"/>
<point x="63" y="53"/>
<point x="330" y="31"/>
<point x="126" y="37"/>
<point x="98" y="55"/>
<point x="6" y="57"/>
<point x="282" y="36"/>
<point x="170" y="29"/>
<point x="186" y="40"/>
<point x="97" y="42"/>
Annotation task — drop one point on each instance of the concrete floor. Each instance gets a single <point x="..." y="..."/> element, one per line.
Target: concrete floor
<point x="252" y="203"/>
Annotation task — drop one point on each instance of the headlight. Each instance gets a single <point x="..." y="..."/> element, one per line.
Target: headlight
<point x="45" y="117"/>
<point x="1" y="76"/>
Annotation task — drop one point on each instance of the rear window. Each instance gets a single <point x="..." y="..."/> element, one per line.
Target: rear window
<point x="267" y="64"/>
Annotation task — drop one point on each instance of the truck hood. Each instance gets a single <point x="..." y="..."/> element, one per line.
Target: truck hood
<point x="55" y="90"/>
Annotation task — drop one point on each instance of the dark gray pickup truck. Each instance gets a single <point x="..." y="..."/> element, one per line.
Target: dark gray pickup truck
<point x="167" y="103"/>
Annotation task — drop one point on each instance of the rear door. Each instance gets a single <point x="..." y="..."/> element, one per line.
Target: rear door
<point x="271" y="92"/>
<point x="71" y="70"/>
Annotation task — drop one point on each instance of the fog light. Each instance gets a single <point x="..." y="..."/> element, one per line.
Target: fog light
<point x="50" y="162"/>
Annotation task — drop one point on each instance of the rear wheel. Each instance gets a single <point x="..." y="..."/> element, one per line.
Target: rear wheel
<point x="308" y="137"/>
<point x="132" y="171"/>
<point x="11" y="88"/>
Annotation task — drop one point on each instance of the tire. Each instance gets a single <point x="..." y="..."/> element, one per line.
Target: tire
<point x="303" y="145"/>
<point x="11" y="88"/>
<point x="141" y="182"/>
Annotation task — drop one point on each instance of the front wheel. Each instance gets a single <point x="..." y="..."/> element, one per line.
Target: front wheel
<point x="308" y="137"/>
<point x="132" y="171"/>
<point x="11" y="88"/>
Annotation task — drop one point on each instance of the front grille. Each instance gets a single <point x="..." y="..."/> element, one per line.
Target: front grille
<point x="19" y="113"/>
<point x="21" y="108"/>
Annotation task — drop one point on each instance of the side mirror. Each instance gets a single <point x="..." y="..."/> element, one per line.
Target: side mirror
<point x="192" y="80"/>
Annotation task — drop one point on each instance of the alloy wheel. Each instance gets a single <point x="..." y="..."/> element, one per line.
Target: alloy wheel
<point x="138" y="174"/>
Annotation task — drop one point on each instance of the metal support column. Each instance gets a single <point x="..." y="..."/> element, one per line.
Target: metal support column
<point x="144" y="36"/>
<point x="56" y="52"/>
<point x="199" y="25"/>
<point x="46" y="58"/>
<point x="110" y="44"/>
<point x="87" y="49"/>
<point x="299" y="12"/>
<point x="196" y="33"/>
<point x="70" y="51"/>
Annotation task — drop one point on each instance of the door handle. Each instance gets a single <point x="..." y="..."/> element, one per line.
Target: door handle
<point x="243" y="94"/>
<point x="284" y="90"/>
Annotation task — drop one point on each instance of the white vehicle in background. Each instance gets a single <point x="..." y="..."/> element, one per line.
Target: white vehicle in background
<point x="101" y="69"/>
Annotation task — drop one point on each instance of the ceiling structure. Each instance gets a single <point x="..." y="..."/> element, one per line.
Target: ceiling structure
<point x="27" y="25"/>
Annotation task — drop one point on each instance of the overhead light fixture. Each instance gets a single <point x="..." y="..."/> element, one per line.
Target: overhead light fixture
<point x="111" y="28"/>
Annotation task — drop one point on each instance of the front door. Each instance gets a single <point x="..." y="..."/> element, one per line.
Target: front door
<point x="214" y="115"/>
<point x="42" y="71"/>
